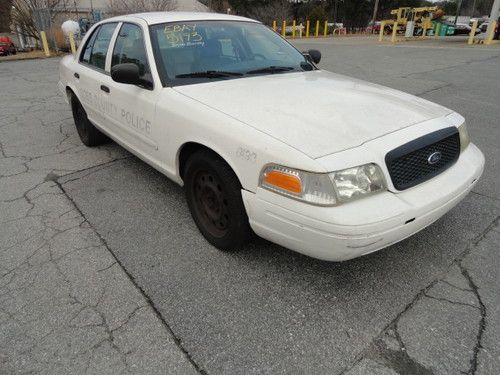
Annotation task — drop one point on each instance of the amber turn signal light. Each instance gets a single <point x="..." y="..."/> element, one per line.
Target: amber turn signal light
<point x="284" y="181"/>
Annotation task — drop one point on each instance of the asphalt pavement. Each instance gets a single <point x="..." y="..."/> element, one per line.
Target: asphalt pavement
<point x="103" y="269"/>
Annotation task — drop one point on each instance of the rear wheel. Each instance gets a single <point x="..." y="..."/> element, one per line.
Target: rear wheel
<point x="88" y="133"/>
<point x="213" y="193"/>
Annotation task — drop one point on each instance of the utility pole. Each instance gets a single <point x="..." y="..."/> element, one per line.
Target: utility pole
<point x="473" y="8"/>
<point x="458" y="11"/>
<point x="375" y="9"/>
<point x="493" y="15"/>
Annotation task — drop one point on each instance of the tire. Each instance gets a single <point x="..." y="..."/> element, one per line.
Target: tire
<point x="88" y="133"/>
<point x="213" y="194"/>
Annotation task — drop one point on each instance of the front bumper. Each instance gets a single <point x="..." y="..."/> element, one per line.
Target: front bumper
<point x="360" y="227"/>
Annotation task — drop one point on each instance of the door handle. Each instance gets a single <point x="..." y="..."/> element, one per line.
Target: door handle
<point x="77" y="75"/>
<point x="105" y="88"/>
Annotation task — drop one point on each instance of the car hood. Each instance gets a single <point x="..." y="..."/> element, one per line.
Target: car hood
<point x="317" y="112"/>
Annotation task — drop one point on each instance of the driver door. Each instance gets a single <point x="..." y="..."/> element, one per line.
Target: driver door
<point x="133" y="115"/>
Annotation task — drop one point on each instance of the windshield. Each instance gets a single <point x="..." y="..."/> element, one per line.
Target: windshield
<point x="193" y="52"/>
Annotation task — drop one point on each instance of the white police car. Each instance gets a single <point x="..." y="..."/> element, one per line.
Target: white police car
<point x="264" y="141"/>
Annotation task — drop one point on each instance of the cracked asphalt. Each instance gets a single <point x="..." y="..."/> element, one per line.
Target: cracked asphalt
<point x="103" y="271"/>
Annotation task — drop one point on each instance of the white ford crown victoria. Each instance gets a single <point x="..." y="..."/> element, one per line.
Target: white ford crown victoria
<point x="264" y="141"/>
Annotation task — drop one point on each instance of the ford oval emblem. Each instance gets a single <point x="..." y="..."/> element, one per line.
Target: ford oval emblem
<point x="434" y="158"/>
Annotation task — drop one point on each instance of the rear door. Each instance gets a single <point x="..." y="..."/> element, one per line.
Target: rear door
<point x="90" y="72"/>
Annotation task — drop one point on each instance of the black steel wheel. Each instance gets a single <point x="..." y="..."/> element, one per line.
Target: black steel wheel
<point x="213" y="193"/>
<point x="210" y="204"/>
<point x="88" y="133"/>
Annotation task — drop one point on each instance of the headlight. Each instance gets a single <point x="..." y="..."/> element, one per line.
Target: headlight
<point x="326" y="189"/>
<point x="359" y="181"/>
<point x="464" y="137"/>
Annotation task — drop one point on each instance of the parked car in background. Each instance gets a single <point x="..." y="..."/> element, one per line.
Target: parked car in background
<point x="464" y="29"/>
<point x="7" y="46"/>
<point x="484" y="27"/>
<point x="479" y="21"/>
<point x="373" y="28"/>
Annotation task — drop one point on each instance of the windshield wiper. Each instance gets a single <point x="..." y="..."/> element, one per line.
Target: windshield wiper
<point x="271" y="69"/>
<point x="209" y="74"/>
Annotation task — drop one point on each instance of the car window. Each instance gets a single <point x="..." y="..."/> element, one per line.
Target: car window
<point x="129" y="48"/>
<point x="186" y="50"/>
<point x="96" y="48"/>
<point x="101" y="44"/>
<point x="87" y="50"/>
<point x="270" y="48"/>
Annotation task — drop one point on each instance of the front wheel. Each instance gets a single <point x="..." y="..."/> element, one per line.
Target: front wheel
<point x="213" y="194"/>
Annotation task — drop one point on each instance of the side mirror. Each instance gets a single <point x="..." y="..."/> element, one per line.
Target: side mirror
<point x="315" y="55"/>
<point x="126" y="73"/>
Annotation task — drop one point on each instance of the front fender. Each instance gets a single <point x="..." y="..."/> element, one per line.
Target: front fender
<point x="181" y="120"/>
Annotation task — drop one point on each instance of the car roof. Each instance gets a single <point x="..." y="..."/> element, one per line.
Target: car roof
<point x="153" y="18"/>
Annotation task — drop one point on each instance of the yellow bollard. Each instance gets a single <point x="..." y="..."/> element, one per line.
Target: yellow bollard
<point x="283" y="29"/>
<point x="472" y="32"/>
<point x="394" y="31"/>
<point x="294" y="25"/>
<point x="325" y="29"/>
<point x="316" y="31"/>
<point x="307" y="28"/>
<point x="72" y="43"/>
<point x="381" y="32"/>
<point x="489" y="38"/>
<point x="44" y="43"/>
<point x="425" y="27"/>
<point x="274" y="26"/>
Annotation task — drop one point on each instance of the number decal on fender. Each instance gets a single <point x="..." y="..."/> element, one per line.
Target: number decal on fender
<point x="246" y="154"/>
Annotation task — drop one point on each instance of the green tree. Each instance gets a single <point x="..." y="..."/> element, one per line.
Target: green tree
<point x="318" y="13"/>
<point x="355" y="13"/>
<point x="246" y="7"/>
